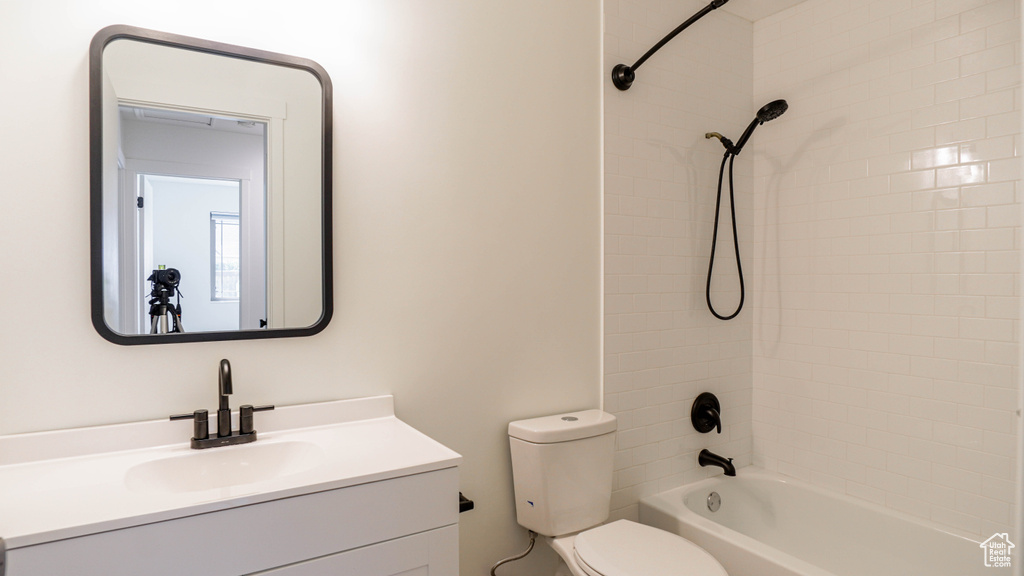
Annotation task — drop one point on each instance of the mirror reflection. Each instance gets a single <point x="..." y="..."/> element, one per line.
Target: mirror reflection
<point x="187" y="227"/>
<point x="211" y="190"/>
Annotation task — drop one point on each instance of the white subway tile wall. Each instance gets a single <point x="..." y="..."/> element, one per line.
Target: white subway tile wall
<point x="662" y="346"/>
<point x="886" y="242"/>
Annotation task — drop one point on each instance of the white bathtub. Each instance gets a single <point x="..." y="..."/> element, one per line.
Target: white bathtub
<point x="768" y="525"/>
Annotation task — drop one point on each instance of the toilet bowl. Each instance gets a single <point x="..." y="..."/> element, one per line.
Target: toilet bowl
<point x="562" y="474"/>
<point x="624" y="548"/>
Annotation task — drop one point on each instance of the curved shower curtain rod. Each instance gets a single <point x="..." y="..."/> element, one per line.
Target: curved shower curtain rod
<point x="623" y="76"/>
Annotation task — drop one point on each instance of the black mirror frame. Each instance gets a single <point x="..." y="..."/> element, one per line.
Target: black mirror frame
<point x="116" y="32"/>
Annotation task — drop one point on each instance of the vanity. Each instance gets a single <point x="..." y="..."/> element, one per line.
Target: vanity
<point x="211" y="176"/>
<point x="340" y="487"/>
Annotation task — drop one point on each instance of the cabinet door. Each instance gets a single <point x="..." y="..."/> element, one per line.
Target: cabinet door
<point x="433" y="553"/>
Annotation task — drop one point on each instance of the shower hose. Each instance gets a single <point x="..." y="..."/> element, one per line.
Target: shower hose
<point x="729" y="157"/>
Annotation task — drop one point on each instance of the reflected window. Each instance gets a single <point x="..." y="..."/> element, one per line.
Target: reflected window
<point x="225" y="256"/>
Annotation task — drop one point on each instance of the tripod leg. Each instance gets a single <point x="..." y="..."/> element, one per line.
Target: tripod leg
<point x="163" y="323"/>
<point x="153" y="323"/>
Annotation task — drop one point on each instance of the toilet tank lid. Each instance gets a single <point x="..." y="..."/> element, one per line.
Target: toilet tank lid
<point x="563" y="427"/>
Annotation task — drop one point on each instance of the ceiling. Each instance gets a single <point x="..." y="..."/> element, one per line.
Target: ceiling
<point x="754" y="10"/>
<point x="190" y="119"/>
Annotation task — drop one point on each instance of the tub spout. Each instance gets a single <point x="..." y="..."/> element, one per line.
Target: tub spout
<point x="709" y="458"/>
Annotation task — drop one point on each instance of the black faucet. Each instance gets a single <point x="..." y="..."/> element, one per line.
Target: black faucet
<point x="709" y="458"/>
<point x="225" y="436"/>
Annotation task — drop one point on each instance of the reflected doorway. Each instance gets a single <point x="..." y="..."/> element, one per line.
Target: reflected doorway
<point x="200" y="209"/>
<point x="192" y="225"/>
<point x="201" y="227"/>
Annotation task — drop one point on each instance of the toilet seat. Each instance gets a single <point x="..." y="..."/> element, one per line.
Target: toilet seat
<point x="624" y="548"/>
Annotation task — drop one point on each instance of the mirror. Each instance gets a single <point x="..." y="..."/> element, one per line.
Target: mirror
<point x="210" y="190"/>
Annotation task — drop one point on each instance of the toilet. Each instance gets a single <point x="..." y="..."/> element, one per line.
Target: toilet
<point x="562" y="475"/>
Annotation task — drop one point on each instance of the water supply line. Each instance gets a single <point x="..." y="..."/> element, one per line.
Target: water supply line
<point x="729" y="157"/>
<point x="623" y="76"/>
<point x="533" y="540"/>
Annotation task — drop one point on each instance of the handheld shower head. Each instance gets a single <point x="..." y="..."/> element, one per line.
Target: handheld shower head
<point x="769" y="111"/>
<point x="772" y="110"/>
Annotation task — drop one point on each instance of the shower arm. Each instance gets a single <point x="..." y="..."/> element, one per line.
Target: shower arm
<point x="623" y="76"/>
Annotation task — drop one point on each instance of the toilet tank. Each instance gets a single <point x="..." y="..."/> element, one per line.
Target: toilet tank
<point x="562" y="470"/>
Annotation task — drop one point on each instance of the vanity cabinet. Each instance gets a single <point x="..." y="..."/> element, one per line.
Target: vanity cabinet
<point x="380" y="528"/>
<point x="352" y="492"/>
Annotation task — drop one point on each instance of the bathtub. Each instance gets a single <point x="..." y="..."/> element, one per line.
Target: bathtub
<point x="768" y="525"/>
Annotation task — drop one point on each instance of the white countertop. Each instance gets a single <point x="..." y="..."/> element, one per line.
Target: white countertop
<point x="68" y="483"/>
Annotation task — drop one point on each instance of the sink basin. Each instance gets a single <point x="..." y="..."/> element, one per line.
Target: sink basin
<point x="223" y="467"/>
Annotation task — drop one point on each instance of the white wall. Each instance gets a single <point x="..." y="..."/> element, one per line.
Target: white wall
<point x="886" y="349"/>
<point x="662" y="345"/>
<point x="467" y="218"/>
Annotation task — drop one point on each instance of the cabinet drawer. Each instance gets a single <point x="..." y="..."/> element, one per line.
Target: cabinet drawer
<point x="434" y="553"/>
<point x="255" y="537"/>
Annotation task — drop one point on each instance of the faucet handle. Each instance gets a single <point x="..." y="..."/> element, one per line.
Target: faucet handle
<point x="245" y="422"/>
<point x="201" y="429"/>
<point x="706" y="413"/>
<point x="716" y="417"/>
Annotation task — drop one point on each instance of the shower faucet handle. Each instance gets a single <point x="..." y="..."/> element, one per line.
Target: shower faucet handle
<point x="706" y="413"/>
